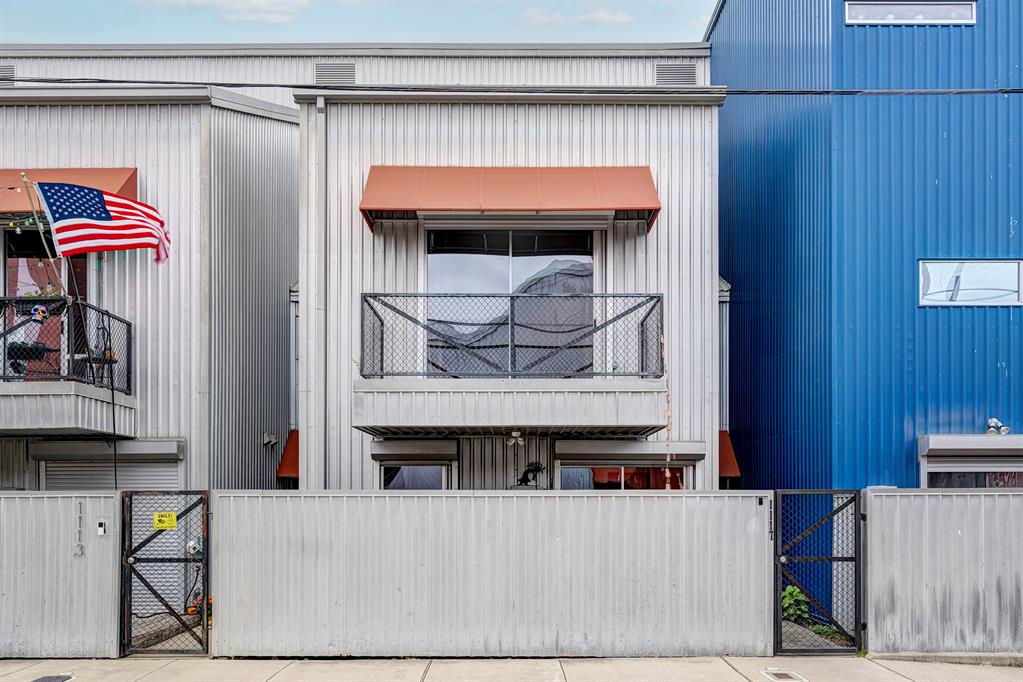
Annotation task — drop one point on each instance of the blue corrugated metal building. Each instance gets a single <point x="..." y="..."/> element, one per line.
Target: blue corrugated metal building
<point x="873" y="242"/>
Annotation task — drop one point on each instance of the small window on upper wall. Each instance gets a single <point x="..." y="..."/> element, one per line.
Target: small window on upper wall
<point x="971" y="282"/>
<point x="910" y="12"/>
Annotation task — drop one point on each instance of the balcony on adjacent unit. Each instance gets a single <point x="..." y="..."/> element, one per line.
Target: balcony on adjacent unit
<point x="65" y="369"/>
<point x="539" y="363"/>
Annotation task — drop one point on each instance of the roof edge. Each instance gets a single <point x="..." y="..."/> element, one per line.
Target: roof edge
<point x="166" y="94"/>
<point x="359" y="49"/>
<point x="707" y="95"/>
<point x="713" y="21"/>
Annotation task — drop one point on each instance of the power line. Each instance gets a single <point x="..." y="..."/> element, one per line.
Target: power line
<point x="535" y="90"/>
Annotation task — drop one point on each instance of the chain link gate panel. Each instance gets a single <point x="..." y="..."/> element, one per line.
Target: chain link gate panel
<point x="817" y="571"/>
<point x="165" y="573"/>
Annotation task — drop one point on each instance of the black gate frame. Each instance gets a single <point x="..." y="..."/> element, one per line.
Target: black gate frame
<point x="128" y="562"/>
<point x="781" y="572"/>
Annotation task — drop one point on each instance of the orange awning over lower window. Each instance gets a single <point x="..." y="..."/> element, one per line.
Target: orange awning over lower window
<point x="288" y="468"/>
<point x="404" y="190"/>
<point x="728" y="466"/>
<point x="14" y="198"/>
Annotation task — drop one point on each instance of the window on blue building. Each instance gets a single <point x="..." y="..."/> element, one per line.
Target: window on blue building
<point x="971" y="282"/>
<point x="910" y="12"/>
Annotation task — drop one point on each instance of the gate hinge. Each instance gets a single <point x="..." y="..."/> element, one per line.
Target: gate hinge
<point x="863" y="516"/>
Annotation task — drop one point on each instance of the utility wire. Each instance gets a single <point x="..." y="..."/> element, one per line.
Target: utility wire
<point x="536" y="90"/>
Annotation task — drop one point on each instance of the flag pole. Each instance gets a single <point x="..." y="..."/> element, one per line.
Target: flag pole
<point x="42" y="235"/>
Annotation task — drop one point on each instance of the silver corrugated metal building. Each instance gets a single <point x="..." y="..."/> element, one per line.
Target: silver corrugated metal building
<point x="368" y="64"/>
<point x="210" y="328"/>
<point x="359" y="419"/>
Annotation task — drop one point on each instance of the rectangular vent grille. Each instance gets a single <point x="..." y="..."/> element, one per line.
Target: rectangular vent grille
<point x="6" y="71"/>
<point x="675" y="74"/>
<point x="335" y="74"/>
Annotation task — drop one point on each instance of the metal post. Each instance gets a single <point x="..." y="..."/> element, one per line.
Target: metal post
<point x="511" y="335"/>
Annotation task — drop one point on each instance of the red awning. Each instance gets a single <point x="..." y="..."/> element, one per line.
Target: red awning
<point x="288" y="468"/>
<point x="728" y="466"/>
<point x="456" y="189"/>
<point x="14" y="199"/>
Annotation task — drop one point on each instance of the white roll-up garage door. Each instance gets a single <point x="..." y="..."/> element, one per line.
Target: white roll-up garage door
<point x="74" y="475"/>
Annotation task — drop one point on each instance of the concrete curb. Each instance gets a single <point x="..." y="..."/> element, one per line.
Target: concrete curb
<point x="1006" y="659"/>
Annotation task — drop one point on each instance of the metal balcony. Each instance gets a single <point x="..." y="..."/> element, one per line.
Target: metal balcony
<point x="512" y="336"/>
<point x="59" y="339"/>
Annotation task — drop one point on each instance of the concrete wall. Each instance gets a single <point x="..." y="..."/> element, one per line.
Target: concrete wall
<point x="491" y="574"/>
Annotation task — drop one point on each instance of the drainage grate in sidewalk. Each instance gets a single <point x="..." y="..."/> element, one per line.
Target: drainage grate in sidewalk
<point x="782" y="675"/>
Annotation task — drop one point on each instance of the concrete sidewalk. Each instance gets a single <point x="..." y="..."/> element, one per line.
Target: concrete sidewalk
<point x="712" y="669"/>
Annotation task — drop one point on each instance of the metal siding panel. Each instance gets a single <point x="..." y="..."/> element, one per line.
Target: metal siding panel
<point x="254" y="260"/>
<point x="938" y="177"/>
<point x="776" y="238"/>
<point x="491" y="574"/>
<point x="487" y="463"/>
<point x="677" y="142"/>
<point x="986" y="55"/>
<point x="163" y="142"/>
<point x="59" y="580"/>
<point x="36" y="414"/>
<point x="17" y="471"/>
<point x="945" y="571"/>
<point x="383" y="70"/>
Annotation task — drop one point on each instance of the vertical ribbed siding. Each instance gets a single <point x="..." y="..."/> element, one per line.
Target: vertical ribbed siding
<point x="17" y="471"/>
<point x="775" y="238"/>
<point x="487" y="463"/>
<point x="491" y="574"/>
<point x="945" y="571"/>
<point x="253" y="261"/>
<point x="59" y="581"/>
<point x="921" y="177"/>
<point x="986" y="55"/>
<point x="165" y="143"/>
<point x="380" y="70"/>
<point x="677" y="258"/>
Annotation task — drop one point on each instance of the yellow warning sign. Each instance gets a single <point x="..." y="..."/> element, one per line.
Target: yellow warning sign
<point x="165" y="520"/>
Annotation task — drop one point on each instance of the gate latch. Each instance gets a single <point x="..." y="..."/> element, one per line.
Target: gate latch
<point x="131" y="561"/>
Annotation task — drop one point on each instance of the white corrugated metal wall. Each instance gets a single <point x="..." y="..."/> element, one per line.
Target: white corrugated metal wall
<point x="253" y="262"/>
<point x="59" y="579"/>
<point x="369" y="69"/>
<point x="17" y="471"/>
<point x="678" y="257"/>
<point x="165" y="143"/>
<point x="226" y="184"/>
<point x="944" y="570"/>
<point x="491" y="574"/>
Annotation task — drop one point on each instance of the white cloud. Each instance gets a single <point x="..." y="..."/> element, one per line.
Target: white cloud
<point x="597" y="15"/>
<point x="248" y="11"/>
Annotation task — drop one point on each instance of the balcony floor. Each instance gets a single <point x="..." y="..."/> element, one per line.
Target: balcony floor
<point x="419" y="407"/>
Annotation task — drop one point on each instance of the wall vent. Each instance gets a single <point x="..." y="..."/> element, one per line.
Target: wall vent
<point x="675" y="74"/>
<point x="6" y="71"/>
<point x="335" y="73"/>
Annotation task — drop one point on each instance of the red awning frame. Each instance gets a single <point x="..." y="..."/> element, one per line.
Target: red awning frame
<point x="409" y="191"/>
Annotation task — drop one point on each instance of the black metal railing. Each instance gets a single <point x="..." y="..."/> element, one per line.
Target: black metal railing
<point x="59" y="339"/>
<point x="516" y="335"/>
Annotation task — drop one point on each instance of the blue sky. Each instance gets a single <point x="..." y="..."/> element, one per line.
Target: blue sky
<point x="175" y="21"/>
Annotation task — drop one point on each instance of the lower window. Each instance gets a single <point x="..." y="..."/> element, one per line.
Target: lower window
<point x="414" y="476"/>
<point x="624" y="477"/>
<point x="975" y="479"/>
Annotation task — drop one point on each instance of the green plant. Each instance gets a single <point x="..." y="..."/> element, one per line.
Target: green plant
<point x="794" y="605"/>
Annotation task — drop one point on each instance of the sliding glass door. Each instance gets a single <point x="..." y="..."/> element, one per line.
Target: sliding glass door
<point x="489" y="315"/>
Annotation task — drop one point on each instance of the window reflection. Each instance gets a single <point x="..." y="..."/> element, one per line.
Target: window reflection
<point x="413" y="477"/>
<point x="622" y="478"/>
<point x="975" y="479"/>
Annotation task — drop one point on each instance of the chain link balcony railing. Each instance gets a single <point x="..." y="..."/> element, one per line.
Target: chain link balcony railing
<point x="516" y="335"/>
<point x="56" y="339"/>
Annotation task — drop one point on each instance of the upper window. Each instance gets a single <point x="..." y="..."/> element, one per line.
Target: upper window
<point x="396" y="476"/>
<point x="918" y="12"/>
<point x="976" y="282"/>
<point x="624" y="477"/>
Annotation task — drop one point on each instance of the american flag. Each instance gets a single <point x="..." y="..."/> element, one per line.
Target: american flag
<point x="83" y="219"/>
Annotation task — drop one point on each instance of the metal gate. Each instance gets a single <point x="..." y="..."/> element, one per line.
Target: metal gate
<point x="817" y="571"/>
<point x="164" y="572"/>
